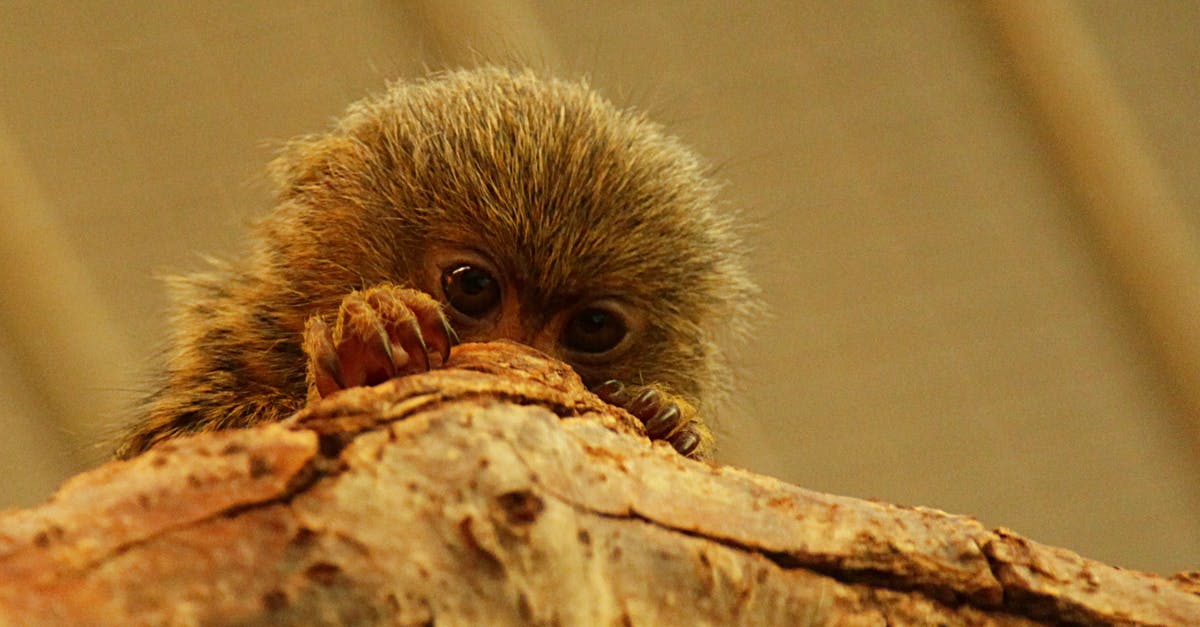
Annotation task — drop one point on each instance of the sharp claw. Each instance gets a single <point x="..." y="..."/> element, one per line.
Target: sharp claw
<point x="386" y="343"/>
<point x="612" y="391"/>
<point x="324" y="364"/>
<point x="451" y="338"/>
<point x="663" y="422"/>
<point x="422" y="355"/>
<point x="645" y="404"/>
<point x="685" y="442"/>
<point x="331" y="368"/>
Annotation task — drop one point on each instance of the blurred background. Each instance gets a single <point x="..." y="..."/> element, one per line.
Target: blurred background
<point x="975" y="224"/>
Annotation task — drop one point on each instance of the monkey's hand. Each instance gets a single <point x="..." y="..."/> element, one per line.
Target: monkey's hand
<point x="380" y="333"/>
<point x="666" y="416"/>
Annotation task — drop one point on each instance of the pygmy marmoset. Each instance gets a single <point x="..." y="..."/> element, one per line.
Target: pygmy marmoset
<point x="472" y="205"/>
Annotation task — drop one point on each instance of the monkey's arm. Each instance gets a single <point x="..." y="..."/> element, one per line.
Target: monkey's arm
<point x="234" y="360"/>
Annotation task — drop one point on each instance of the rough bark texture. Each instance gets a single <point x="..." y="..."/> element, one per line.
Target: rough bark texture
<point x="499" y="491"/>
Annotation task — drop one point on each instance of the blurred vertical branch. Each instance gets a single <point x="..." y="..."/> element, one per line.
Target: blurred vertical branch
<point x="1140" y="228"/>
<point x="57" y="323"/>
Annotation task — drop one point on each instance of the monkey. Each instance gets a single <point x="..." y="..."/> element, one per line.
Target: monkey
<point x="468" y="205"/>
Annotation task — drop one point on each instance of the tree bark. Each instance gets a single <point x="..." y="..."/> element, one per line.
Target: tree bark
<point x="498" y="490"/>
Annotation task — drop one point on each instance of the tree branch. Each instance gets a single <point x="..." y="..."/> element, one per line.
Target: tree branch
<point x="498" y="490"/>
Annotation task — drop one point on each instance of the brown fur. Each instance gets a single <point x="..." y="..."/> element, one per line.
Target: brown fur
<point x="567" y="194"/>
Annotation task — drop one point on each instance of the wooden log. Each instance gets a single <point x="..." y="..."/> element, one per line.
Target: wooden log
<point x="498" y="490"/>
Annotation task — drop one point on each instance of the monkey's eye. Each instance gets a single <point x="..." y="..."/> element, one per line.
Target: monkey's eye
<point x="594" y="330"/>
<point x="470" y="290"/>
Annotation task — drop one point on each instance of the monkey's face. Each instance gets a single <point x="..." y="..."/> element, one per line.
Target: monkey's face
<point x="535" y="211"/>
<point x="594" y="330"/>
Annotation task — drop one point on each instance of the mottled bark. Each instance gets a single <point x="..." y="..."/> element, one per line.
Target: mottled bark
<point x="499" y="491"/>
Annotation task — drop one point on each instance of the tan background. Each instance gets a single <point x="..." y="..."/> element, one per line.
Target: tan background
<point x="976" y="223"/>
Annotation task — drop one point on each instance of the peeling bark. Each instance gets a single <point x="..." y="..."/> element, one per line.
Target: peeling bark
<point x="499" y="491"/>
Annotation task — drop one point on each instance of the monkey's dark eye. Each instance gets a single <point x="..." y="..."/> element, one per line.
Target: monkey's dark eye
<point x="470" y="290"/>
<point x="594" y="330"/>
